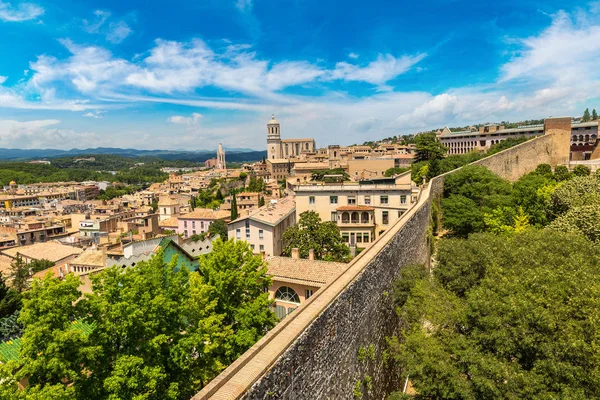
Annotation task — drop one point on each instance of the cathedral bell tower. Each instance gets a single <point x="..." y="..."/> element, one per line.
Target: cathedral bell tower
<point x="273" y="139"/>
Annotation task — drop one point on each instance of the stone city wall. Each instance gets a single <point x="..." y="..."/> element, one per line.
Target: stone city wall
<point x="314" y="352"/>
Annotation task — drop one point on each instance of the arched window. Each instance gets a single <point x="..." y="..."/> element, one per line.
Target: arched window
<point x="345" y="217"/>
<point x="365" y="217"/>
<point x="574" y="138"/>
<point x="581" y="138"/>
<point x="354" y="217"/>
<point x="285" y="293"/>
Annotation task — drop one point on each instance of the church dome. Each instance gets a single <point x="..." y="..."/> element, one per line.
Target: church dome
<point x="273" y="121"/>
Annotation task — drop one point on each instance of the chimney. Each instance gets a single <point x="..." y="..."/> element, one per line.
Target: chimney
<point x="311" y="255"/>
<point x="295" y="253"/>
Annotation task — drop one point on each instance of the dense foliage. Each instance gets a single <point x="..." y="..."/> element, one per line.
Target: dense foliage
<point x="312" y="234"/>
<point x="504" y="317"/>
<point x="158" y="332"/>
<point x="512" y="311"/>
<point x="102" y="168"/>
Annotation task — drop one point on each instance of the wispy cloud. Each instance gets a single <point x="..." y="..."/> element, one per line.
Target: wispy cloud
<point x="19" y="13"/>
<point x="353" y="56"/>
<point x="244" y="5"/>
<point x="181" y="120"/>
<point x="114" y="31"/>
<point x="41" y="134"/>
<point x="3" y="79"/>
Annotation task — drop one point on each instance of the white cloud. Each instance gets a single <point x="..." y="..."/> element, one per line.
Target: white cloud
<point x="378" y="72"/>
<point x="3" y="79"/>
<point x="20" y="13"/>
<point x="114" y="32"/>
<point x="41" y="134"/>
<point x="118" y="31"/>
<point x="96" y="114"/>
<point x="244" y="5"/>
<point x="189" y="121"/>
<point x="353" y="56"/>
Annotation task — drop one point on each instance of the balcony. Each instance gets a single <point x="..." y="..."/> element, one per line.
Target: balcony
<point x="356" y="218"/>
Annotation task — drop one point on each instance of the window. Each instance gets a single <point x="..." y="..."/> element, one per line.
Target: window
<point x="260" y="234"/>
<point x="164" y="210"/>
<point x="262" y="247"/>
<point x="185" y="224"/>
<point x="403" y="199"/>
<point x="383" y="200"/>
<point x="311" y="200"/>
<point x="194" y="224"/>
<point x="358" y="238"/>
<point x="238" y="233"/>
<point x="400" y="213"/>
<point x="252" y="247"/>
<point x="367" y="199"/>
<point x="334" y="216"/>
<point x="308" y="293"/>
<point x="351" y="200"/>
<point x="333" y="199"/>
<point x="366" y="237"/>
<point x="285" y="293"/>
<point x="345" y="237"/>
<point x="385" y="219"/>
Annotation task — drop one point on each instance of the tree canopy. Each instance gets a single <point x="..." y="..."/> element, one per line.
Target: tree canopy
<point x="155" y="331"/>
<point x="312" y="234"/>
<point x="504" y="317"/>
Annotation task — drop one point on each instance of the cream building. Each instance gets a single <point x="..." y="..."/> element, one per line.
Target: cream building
<point x="286" y="148"/>
<point x="362" y="211"/>
<point x="263" y="229"/>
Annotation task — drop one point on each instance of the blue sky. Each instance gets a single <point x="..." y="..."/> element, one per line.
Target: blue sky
<point x="190" y="74"/>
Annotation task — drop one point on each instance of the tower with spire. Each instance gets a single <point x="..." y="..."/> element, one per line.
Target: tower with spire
<point x="221" y="158"/>
<point x="273" y="139"/>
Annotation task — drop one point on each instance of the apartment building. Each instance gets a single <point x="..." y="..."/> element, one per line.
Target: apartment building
<point x="199" y="220"/>
<point x="361" y="210"/>
<point x="584" y="137"/>
<point x="263" y="228"/>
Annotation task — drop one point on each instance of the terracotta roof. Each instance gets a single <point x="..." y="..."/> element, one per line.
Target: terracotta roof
<point x="52" y="251"/>
<point x="355" y="208"/>
<point x="169" y="222"/>
<point x="205" y="213"/>
<point x="167" y="201"/>
<point x="272" y="214"/>
<point x="90" y="257"/>
<point x="314" y="273"/>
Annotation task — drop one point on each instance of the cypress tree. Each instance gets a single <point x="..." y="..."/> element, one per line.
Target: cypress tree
<point x="234" y="211"/>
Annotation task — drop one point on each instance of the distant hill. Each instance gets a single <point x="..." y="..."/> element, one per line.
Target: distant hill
<point x="233" y="155"/>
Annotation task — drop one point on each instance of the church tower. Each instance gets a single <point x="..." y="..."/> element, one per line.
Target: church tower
<point x="273" y="139"/>
<point x="221" y="158"/>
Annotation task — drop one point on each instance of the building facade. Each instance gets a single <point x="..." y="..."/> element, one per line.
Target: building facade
<point x="362" y="211"/>
<point x="263" y="229"/>
<point x="286" y="148"/>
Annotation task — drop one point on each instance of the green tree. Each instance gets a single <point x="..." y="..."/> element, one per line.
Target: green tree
<point x="261" y="201"/>
<point x="580" y="219"/>
<point x="561" y="173"/>
<point x="427" y="147"/>
<point x="40" y="265"/>
<point x="53" y="353"/>
<point x="462" y="216"/>
<point x="581" y="170"/>
<point x="395" y="171"/>
<point x="322" y="237"/>
<point x="523" y="326"/>
<point x="218" y="228"/>
<point x="586" y="115"/>
<point x="10" y="299"/>
<point x="579" y="191"/>
<point x="239" y="278"/>
<point x="234" y="210"/>
<point x="594" y="114"/>
<point x="19" y="274"/>
<point x="243" y="176"/>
